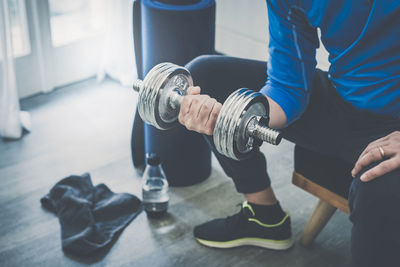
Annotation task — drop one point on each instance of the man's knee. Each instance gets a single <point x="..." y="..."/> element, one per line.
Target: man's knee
<point x="200" y="67"/>
<point x="206" y="71"/>
<point x="198" y="63"/>
<point x="375" y="203"/>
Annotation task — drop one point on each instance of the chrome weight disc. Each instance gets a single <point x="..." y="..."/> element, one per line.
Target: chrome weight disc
<point x="230" y="133"/>
<point x="154" y="98"/>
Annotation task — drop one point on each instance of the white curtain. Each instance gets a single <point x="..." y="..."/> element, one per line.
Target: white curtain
<point x="118" y="60"/>
<point x="12" y="120"/>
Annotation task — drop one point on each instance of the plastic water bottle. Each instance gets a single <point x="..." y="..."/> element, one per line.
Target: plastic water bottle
<point x="154" y="188"/>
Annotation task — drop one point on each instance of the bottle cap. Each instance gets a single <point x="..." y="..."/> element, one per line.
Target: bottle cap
<point x="152" y="159"/>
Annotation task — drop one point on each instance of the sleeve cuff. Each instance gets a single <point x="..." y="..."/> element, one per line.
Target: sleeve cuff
<point x="292" y="103"/>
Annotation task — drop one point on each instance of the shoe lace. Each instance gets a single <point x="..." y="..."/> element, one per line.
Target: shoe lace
<point x="238" y="220"/>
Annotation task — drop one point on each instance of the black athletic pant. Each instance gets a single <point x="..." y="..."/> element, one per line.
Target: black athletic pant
<point x="330" y="126"/>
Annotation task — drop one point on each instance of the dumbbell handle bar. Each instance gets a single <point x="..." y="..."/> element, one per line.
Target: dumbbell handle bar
<point x="255" y="129"/>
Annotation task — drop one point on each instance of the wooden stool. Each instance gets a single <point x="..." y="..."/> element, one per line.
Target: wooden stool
<point x="328" y="179"/>
<point x="326" y="206"/>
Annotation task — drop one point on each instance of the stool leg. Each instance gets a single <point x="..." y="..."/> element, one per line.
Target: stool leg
<point x="321" y="215"/>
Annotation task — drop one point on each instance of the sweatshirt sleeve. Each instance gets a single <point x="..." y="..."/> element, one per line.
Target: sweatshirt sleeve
<point x="291" y="67"/>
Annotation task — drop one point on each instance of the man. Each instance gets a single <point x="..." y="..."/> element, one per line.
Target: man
<point x="352" y="113"/>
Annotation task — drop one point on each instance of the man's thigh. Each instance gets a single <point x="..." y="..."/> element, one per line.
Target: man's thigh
<point x="219" y="76"/>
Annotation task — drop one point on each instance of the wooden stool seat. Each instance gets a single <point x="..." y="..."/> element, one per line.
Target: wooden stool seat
<point x="320" y="192"/>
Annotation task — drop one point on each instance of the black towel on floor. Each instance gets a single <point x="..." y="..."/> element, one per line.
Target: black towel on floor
<point x="90" y="216"/>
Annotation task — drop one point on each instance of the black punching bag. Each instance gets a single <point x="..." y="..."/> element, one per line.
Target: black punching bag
<point x="173" y="31"/>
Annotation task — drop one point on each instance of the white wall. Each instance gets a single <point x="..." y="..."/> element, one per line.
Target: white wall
<point x="242" y="30"/>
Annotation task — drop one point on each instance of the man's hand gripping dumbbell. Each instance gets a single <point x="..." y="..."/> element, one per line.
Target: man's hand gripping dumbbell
<point x="238" y="126"/>
<point x="198" y="112"/>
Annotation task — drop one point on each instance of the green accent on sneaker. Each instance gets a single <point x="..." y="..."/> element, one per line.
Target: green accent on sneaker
<point x="270" y="225"/>
<point x="250" y="241"/>
<point x="247" y="205"/>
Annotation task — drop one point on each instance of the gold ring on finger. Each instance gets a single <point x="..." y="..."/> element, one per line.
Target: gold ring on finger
<point x="381" y="151"/>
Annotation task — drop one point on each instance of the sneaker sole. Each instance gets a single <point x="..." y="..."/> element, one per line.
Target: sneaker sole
<point x="250" y="241"/>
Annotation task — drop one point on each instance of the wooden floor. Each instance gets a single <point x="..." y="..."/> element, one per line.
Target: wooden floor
<point x="86" y="127"/>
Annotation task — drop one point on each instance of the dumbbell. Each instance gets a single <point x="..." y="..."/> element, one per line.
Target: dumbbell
<point x="241" y="126"/>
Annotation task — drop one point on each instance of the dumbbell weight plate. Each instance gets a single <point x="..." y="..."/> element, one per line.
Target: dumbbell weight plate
<point x="239" y="143"/>
<point x="220" y="129"/>
<point x="159" y="83"/>
<point x="230" y="134"/>
<point x="177" y="84"/>
<point x="147" y="97"/>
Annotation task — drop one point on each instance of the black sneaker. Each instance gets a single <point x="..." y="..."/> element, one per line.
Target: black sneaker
<point x="244" y="229"/>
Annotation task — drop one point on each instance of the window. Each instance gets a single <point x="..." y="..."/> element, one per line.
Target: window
<point x="18" y="25"/>
<point x="73" y="20"/>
